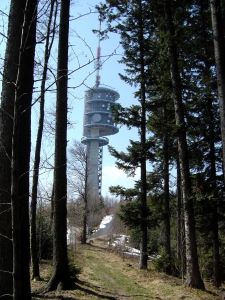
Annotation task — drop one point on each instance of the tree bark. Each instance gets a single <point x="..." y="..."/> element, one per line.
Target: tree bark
<point x="166" y="201"/>
<point x="180" y="226"/>
<point x="60" y="275"/>
<point x="33" y="206"/>
<point x="6" y="129"/>
<point x="193" y="277"/>
<point x="219" y="50"/>
<point x="21" y="154"/>
<point x="84" y="235"/>
<point x="217" y="280"/>
<point x="143" y="262"/>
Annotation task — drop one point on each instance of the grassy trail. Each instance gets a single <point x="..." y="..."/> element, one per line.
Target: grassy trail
<point x="112" y="275"/>
<point x="105" y="274"/>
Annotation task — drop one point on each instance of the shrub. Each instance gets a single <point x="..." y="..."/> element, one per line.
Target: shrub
<point x="44" y="236"/>
<point x="162" y="263"/>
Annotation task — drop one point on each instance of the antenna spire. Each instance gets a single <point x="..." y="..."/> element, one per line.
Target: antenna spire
<point x="98" y="61"/>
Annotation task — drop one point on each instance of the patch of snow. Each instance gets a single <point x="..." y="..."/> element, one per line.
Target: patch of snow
<point x="133" y="251"/>
<point x="105" y="221"/>
<point x="121" y="242"/>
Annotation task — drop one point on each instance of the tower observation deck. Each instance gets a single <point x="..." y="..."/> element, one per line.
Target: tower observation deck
<point x="98" y="123"/>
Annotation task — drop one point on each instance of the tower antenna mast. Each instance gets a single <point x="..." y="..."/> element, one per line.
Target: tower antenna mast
<point x="98" y="123"/>
<point x="98" y="63"/>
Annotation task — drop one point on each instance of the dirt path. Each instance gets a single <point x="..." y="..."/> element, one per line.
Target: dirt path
<point x="107" y="275"/>
<point x="111" y="275"/>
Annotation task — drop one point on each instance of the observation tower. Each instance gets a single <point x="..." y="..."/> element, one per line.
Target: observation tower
<point x="97" y="124"/>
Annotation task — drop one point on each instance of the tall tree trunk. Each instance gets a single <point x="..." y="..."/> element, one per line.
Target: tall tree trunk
<point x="143" y="262"/>
<point x="166" y="202"/>
<point x="21" y="154"/>
<point x="33" y="206"/>
<point x="86" y="191"/>
<point x="219" y="49"/>
<point x="193" y="278"/>
<point x="60" y="275"/>
<point x="180" y="225"/>
<point x="212" y="156"/>
<point x="7" y="120"/>
<point x="6" y="130"/>
<point x="217" y="280"/>
<point x="84" y="235"/>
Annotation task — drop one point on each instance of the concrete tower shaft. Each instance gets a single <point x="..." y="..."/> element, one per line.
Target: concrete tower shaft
<point x="98" y="122"/>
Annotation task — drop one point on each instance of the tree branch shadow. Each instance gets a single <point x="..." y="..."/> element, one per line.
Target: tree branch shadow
<point x="82" y="286"/>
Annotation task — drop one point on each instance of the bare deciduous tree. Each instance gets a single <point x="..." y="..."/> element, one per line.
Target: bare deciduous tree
<point x="78" y="178"/>
<point x="50" y="34"/>
<point x="6" y="128"/>
<point x="15" y="140"/>
<point x="60" y="274"/>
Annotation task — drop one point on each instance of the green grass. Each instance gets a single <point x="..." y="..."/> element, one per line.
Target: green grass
<point x="104" y="274"/>
<point x="114" y="280"/>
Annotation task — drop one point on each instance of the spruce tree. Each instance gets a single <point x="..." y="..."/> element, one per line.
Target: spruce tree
<point x="134" y="30"/>
<point x="180" y="86"/>
<point x="193" y="273"/>
<point x="203" y="126"/>
<point x="219" y="50"/>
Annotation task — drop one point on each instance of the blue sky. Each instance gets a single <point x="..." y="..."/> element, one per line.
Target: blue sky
<point x="83" y="46"/>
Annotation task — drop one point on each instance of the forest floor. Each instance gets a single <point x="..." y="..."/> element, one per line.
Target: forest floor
<point x="104" y="273"/>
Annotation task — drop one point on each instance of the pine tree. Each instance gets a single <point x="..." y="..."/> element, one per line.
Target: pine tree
<point x="133" y="30"/>
<point x="203" y="122"/>
<point x="219" y="49"/>
<point x="193" y="274"/>
<point x="180" y="72"/>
